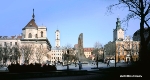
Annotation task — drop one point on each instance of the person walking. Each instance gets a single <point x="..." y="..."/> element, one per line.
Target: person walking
<point x="75" y="64"/>
<point x="80" y="65"/>
<point x="108" y="62"/>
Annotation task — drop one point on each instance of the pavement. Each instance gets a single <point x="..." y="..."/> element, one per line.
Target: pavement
<point x="94" y="73"/>
<point x="88" y="67"/>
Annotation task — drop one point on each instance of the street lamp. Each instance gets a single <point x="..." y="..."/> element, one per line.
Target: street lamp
<point x="103" y="54"/>
<point x="97" y="58"/>
<point x="118" y="53"/>
<point x="67" y="59"/>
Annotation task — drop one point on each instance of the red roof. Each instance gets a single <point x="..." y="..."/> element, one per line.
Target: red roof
<point x="88" y="49"/>
<point x="19" y="37"/>
<point x="31" y="24"/>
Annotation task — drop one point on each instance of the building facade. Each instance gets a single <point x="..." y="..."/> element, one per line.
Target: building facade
<point x="88" y="52"/>
<point x="33" y="37"/>
<point x="122" y="48"/>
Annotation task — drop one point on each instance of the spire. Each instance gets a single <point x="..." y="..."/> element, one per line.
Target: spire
<point x="118" y="23"/>
<point x="33" y="14"/>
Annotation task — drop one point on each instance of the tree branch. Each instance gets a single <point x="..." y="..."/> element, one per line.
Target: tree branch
<point x="147" y="11"/>
<point x="147" y="19"/>
<point x="109" y="8"/>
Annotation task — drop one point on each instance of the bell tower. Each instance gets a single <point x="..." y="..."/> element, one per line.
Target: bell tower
<point x="118" y="33"/>
<point x="57" y="40"/>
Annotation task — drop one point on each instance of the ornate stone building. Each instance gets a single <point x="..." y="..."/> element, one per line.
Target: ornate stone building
<point x="122" y="48"/>
<point x="33" y="37"/>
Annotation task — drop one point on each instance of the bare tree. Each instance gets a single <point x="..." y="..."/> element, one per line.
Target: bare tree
<point x="28" y="51"/>
<point x="138" y="9"/>
<point x="17" y="53"/>
<point x="6" y="50"/>
<point x="40" y="53"/>
<point x="68" y="46"/>
<point x="1" y="53"/>
<point x="97" y="47"/>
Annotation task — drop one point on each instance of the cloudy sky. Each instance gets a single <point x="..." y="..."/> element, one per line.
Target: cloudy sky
<point x="71" y="17"/>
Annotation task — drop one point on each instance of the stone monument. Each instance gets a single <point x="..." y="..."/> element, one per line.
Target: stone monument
<point x="81" y="55"/>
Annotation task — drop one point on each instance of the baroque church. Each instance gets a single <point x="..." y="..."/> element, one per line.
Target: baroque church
<point x="122" y="48"/>
<point x="33" y="37"/>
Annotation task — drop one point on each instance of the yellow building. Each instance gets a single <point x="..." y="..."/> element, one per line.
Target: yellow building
<point x="122" y="49"/>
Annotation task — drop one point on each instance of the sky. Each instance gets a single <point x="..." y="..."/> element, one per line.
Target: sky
<point x="70" y="17"/>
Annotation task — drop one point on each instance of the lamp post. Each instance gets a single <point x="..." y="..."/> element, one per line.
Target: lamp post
<point x="118" y="53"/>
<point x="97" y="58"/>
<point x="67" y="59"/>
<point x="103" y="54"/>
<point x="115" y="55"/>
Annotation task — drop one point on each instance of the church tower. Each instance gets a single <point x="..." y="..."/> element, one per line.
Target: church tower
<point x="57" y="40"/>
<point x="118" y="33"/>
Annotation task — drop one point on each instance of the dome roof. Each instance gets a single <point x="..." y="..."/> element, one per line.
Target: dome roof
<point x="138" y="32"/>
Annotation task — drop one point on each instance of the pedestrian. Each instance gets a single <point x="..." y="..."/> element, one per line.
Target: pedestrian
<point x="75" y="64"/>
<point x="108" y="62"/>
<point x="80" y="65"/>
<point x="62" y="64"/>
<point x="127" y="61"/>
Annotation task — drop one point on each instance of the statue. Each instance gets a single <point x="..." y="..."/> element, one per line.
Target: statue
<point x="81" y="56"/>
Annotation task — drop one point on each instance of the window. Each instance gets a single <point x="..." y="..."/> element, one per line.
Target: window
<point x="35" y="35"/>
<point x="30" y="35"/>
<point x="41" y="33"/>
<point x="15" y="43"/>
<point x="10" y="43"/>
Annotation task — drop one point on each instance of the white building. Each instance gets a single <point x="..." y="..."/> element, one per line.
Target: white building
<point x="32" y="35"/>
<point x="57" y="51"/>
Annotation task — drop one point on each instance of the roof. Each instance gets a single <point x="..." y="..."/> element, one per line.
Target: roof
<point x="18" y="37"/>
<point x="88" y="49"/>
<point x="10" y="38"/>
<point x="31" y="24"/>
<point x="138" y="32"/>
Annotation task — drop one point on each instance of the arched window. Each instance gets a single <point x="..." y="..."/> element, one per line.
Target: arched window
<point x="30" y="35"/>
<point x="35" y="35"/>
<point x="41" y="33"/>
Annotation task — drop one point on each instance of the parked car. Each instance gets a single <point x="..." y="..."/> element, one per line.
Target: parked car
<point x="112" y="61"/>
<point x="122" y="61"/>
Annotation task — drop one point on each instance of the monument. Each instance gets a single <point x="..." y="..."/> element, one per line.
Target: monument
<point x="81" y="56"/>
